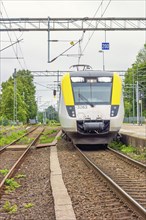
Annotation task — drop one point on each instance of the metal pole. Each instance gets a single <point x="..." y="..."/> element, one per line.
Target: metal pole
<point x="133" y="100"/>
<point x="48" y="39"/>
<point x="137" y="100"/>
<point x="15" y="98"/>
<point x="101" y="51"/>
<point x="141" y="111"/>
<point x="103" y="61"/>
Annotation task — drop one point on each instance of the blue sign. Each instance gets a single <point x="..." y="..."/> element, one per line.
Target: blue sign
<point x="105" y="46"/>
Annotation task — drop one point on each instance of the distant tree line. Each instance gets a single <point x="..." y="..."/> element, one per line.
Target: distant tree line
<point x="135" y="77"/>
<point x="50" y="114"/>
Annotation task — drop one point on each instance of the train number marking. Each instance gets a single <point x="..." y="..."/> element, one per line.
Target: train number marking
<point x="82" y="106"/>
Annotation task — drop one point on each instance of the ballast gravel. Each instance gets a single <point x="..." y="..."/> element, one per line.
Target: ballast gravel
<point x="35" y="190"/>
<point x="91" y="198"/>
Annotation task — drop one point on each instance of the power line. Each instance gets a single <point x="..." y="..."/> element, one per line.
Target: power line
<point x="16" y="39"/>
<point x="10" y="45"/>
<point x="97" y="24"/>
<point x="80" y="50"/>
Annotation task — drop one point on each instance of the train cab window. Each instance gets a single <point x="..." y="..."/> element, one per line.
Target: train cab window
<point x="88" y="92"/>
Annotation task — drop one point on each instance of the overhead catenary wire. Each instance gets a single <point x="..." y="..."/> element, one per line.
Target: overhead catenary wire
<point x="17" y="39"/>
<point x="10" y="45"/>
<point x="94" y="16"/>
<point x="63" y="52"/>
<point x="80" y="49"/>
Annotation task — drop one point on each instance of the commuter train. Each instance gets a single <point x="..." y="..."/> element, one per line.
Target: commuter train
<point x="91" y="109"/>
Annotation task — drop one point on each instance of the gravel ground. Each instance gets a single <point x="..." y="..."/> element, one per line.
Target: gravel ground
<point x="35" y="189"/>
<point x="91" y="199"/>
<point x="7" y="159"/>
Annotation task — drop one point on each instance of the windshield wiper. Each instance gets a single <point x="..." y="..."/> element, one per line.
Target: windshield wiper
<point x="84" y="98"/>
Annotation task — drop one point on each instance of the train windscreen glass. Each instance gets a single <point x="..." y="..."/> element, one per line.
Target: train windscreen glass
<point x="92" y="91"/>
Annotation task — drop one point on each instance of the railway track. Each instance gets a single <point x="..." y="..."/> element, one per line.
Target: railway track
<point x="13" y="158"/>
<point x="125" y="177"/>
<point x="30" y="130"/>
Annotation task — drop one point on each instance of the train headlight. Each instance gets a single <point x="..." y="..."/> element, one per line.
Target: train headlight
<point x="71" y="111"/>
<point x="114" y="110"/>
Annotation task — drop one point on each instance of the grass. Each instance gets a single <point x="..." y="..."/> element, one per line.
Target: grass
<point x="4" y="140"/>
<point x="49" y="132"/>
<point x="28" y="205"/>
<point x="20" y="176"/>
<point x="53" y="123"/>
<point x="8" y="207"/>
<point x="4" y="172"/>
<point x="46" y="139"/>
<point x="59" y="138"/>
<point x="25" y="140"/>
<point x="129" y="150"/>
<point x="11" y="185"/>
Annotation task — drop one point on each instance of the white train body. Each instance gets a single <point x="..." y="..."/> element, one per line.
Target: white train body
<point x="91" y="106"/>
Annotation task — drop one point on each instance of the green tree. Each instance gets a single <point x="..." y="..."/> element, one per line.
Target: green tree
<point x="141" y="57"/>
<point x="51" y="113"/>
<point x="137" y="73"/>
<point x="25" y="93"/>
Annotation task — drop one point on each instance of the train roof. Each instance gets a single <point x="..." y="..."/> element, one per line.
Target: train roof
<point x="91" y="73"/>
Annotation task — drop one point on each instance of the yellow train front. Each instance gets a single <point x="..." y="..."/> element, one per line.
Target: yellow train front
<point x="91" y="107"/>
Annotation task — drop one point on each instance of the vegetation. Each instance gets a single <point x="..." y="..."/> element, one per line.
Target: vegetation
<point x="11" y="185"/>
<point x="117" y="145"/>
<point x="10" y="208"/>
<point x="50" y="116"/>
<point x="20" y="176"/>
<point x="28" y="205"/>
<point x="4" y="140"/>
<point x="49" y="132"/>
<point x="4" y="172"/>
<point x="25" y="140"/>
<point x="45" y="137"/>
<point x="25" y="96"/>
<point x="59" y="138"/>
<point x="137" y="73"/>
<point x="131" y="151"/>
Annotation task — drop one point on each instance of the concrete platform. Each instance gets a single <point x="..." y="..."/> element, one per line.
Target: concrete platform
<point x="62" y="201"/>
<point x="134" y="130"/>
<point x="134" y="135"/>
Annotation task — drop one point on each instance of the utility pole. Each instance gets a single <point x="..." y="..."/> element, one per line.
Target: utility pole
<point x="48" y="40"/>
<point x="137" y="100"/>
<point x="101" y="51"/>
<point x="133" y="99"/>
<point x="15" y="97"/>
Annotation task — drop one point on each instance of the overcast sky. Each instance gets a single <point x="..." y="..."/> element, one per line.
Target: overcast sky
<point x="124" y="45"/>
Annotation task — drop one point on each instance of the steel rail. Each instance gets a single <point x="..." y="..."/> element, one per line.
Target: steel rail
<point x="128" y="159"/>
<point x="18" y="162"/>
<point x="115" y="187"/>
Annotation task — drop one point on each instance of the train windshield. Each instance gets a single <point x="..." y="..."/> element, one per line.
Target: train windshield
<point x="92" y="92"/>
